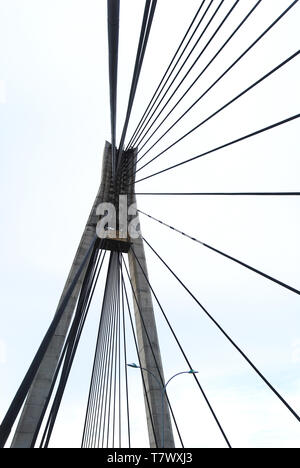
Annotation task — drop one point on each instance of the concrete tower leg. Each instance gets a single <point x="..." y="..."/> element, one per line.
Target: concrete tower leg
<point x="40" y="388"/>
<point x="143" y="308"/>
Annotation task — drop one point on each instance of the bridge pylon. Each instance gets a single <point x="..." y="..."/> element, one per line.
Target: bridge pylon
<point x="146" y="331"/>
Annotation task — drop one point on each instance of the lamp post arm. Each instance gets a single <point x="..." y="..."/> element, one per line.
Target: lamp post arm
<point x="163" y="403"/>
<point x="179" y="373"/>
<point x="163" y="389"/>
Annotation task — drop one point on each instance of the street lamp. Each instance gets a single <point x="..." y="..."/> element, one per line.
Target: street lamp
<point x="163" y="392"/>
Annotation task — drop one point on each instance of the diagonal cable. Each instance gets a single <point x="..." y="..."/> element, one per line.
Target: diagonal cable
<point x="249" y="267"/>
<point x="154" y="96"/>
<point x="149" y="10"/>
<point x="140" y="136"/>
<point x="205" y="194"/>
<point x="285" y="403"/>
<point x="183" y="353"/>
<point x="198" y="77"/>
<point x="225" y="106"/>
<point x="147" y="130"/>
<point x="113" y="13"/>
<point x="225" y="145"/>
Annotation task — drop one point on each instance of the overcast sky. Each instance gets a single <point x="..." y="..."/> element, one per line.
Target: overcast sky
<point x="54" y="115"/>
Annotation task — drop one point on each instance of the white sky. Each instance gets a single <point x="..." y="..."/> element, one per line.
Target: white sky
<point x="54" y="117"/>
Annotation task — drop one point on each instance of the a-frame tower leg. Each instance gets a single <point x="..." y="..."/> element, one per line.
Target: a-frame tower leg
<point x="144" y="315"/>
<point x="149" y="350"/>
<point x="40" y="388"/>
<point x="147" y="337"/>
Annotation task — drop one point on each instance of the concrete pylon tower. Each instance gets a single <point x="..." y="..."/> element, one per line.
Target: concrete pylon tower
<point x="149" y="352"/>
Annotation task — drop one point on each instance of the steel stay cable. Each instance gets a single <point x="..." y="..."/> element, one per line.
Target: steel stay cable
<point x="103" y="388"/>
<point x="219" y="193"/>
<point x="67" y="357"/>
<point x="113" y="356"/>
<point x="97" y="377"/>
<point x="272" y="25"/>
<point x="119" y="370"/>
<point x="108" y="387"/>
<point x="119" y="384"/>
<point x="87" y="427"/>
<point x="135" y="142"/>
<point x="183" y="80"/>
<point x="292" y="411"/>
<point x="138" y="140"/>
<point x="60" y="361"/>
<point x="225" y="106"/>
<point x="198" y="76"/>
<point x="73" y="340"/>
<point x="102" y="382"/>
<point x="101" y="353"/>
<point x="218" y="148"/>
<point x="109" y="363"/>
<point x="116" y="364"/>
<point x="92" y="399"/>
<point x="96" y="372"/>
<point x="110" y="368"/>
<point x="249" y="267"/>
<point x="113" y="13"/>
<point x="15" y="407"/>
<point x="93" y="288"/>
<point x="137" y="60"/>
<point x="167" y="70"/>
<point x="62" y="356"/>
<point x="184" y="354"/>
<point x="119" y="360"/>
<point x="149" y="11"/>
<point x="113" y="352"/>
<point x="88" y="431"/>
<point x="137" y="351"/>
<point x="110" y="360"/>
<point x="125" y="361"/>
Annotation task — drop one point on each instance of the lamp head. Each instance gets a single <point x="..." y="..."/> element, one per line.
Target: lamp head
<point x="135" y="366"/>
